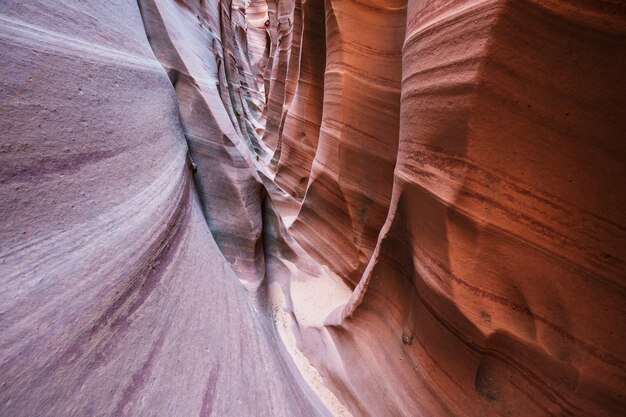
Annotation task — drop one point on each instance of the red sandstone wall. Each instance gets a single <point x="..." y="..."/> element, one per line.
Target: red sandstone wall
<point x="366" y="208"/>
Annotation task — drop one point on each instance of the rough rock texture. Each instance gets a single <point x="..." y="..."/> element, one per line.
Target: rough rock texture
<point x="307" y="207"/>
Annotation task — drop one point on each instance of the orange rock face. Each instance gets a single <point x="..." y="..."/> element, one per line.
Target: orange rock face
<point x="307" y="207"/>
<point x="352" y="173"/>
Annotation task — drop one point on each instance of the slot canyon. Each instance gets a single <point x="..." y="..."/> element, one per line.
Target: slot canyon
<point x="260" y="208"/>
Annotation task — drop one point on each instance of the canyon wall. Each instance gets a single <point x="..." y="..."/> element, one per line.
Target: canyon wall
<point x="313" y="207"/>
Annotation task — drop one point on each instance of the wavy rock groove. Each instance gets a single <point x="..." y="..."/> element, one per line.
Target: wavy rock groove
<point x="241" y="208"/>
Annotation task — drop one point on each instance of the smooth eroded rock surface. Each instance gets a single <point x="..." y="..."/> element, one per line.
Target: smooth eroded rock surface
<point x="313" y="207"/>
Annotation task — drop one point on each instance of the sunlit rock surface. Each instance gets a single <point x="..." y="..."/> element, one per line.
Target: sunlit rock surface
<point x="313" y="208"/>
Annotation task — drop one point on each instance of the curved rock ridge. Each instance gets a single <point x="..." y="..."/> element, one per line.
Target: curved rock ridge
<point x="313" y="208"/>
<point x="116" y="299"/>
<point x="359" y="123"/>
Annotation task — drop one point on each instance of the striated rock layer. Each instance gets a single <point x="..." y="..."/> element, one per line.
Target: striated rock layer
<point x="352" y="173"/>
<point x="307" y="207"/>
<point x="116" y="299"/>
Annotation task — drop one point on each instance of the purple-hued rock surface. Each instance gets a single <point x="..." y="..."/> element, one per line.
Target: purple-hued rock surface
<point x="312" y="208"/>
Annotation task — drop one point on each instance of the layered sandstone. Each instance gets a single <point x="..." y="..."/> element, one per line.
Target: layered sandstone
<point x="307" y="207"/>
